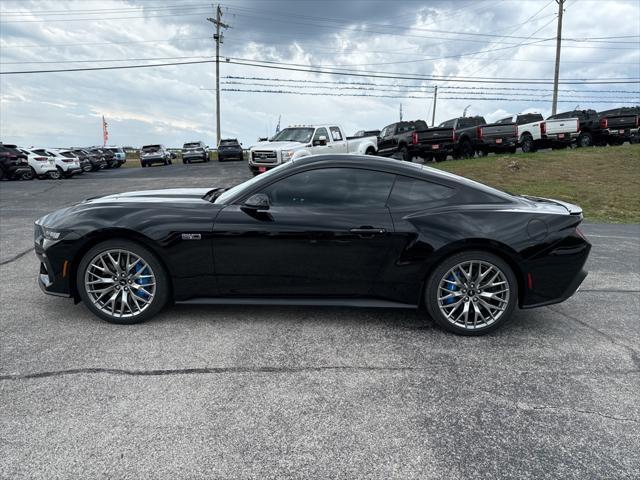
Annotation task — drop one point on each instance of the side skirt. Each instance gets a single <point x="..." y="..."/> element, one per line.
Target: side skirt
<point x="321" y="302"/>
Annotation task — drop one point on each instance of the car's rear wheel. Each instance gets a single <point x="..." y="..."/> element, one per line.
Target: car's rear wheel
<point x="471" y="293"/>
<point x="122" y="282"/>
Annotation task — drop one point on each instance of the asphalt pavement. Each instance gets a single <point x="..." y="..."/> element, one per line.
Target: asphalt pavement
<point x="309" y="392"/>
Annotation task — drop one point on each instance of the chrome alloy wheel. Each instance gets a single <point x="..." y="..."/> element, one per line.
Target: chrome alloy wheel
<point x="473" y="294"/>
<point x="120" y="283"/>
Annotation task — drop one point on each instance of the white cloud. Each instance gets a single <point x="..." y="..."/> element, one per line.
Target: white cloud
<point x="171" y="104"/>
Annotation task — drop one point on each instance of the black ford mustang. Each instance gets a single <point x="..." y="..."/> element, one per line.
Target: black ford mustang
<point x="322" y="230"/>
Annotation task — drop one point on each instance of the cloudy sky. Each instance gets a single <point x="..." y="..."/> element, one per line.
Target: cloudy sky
<point x="372" y="43"/>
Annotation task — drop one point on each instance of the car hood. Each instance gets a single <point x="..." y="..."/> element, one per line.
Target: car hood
<point x="277" y="145"/>
<point x="149" y="203"/>
<point x="164" y="195"/>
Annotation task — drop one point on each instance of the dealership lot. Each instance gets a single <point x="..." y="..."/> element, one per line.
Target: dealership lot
<point x="264" y="392"/>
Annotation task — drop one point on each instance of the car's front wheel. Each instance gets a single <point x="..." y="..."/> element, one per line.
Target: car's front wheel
<point x="122" y="282"/>
<point x="471" y="293"/>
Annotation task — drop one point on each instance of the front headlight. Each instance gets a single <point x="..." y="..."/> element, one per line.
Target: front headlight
<point x="51" y="234"/>
<point x="287" y="155"/>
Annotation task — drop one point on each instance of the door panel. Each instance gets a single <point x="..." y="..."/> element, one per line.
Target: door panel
<point x="302" y="251"/>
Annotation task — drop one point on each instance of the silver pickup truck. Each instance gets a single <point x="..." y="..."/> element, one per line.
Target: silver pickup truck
<point x="304" y="140"/>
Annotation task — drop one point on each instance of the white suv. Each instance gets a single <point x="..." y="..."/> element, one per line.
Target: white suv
<point x="65" y="165"/>
<point x="41" y="166"/>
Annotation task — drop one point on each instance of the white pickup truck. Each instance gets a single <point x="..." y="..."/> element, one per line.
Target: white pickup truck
<point x="304" y="140"/>
<point x="528" y="131"/>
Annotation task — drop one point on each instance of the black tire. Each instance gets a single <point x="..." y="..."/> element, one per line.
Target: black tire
<point x="527" y="144"/>
<point x="30" y="175"/>
<point x="482" y="152"/>
<point x="512" y="150"/>
<point x="440" y="157"/>
<point x="55" y="174"/>
<point x="370" y="151"/>
<point x="438" y="276"/>
<point x="404" y="153"/>
<point x="428" y="158"/>
<point x="160" y="296"/>
<point x="635" y="139"/>
<point x="1" y="174"/>
<point x="584" y="140"/>
<point x="466" y="150"/>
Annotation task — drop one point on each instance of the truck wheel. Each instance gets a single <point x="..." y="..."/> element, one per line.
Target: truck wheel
<point x="585" y="140"/>
<point x="513" y="150"/>
<point x="440" y="157"/>
<point x="406" y="156"/>
<point x="428" y="158"/>
<point x="370" y="151"/>
<point x="466" y="150"/>
<point x="482" y="152"/>
<point x="526" y="143"/>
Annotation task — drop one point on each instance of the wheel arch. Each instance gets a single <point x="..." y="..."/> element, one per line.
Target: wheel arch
<point x="104" y="235"/>
<point x="501" y="250"/>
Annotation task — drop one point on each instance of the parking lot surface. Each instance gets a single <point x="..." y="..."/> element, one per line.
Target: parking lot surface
<point x="277" y="392"/>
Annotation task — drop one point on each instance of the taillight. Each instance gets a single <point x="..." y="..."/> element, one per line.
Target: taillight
<point x="577" y="125"/>
<point x="414" y="138"/>
<point x="604" y="123"/>
<point x="42" y="159"/>
<point x="454" y="135"/>
<point x="479" y="133"/>
<point x="638" y="121"/>
<point x="543" y="128"/>
<point x="516" y="132"/>
<point x="67" y="160"/>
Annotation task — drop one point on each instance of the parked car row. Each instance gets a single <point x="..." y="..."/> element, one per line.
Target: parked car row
<point x="55" y="163"/>
<point x="465" y="137"/>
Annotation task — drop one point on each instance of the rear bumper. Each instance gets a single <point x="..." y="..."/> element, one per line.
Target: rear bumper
<point x="432" y="149"/>
<point x="621" y="132"/>
<point x="498" y="144"/>
<point x="555" y="275"/>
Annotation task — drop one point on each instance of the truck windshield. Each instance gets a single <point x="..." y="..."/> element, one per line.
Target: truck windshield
<point x="447" y="124"/>
<point x="302" y="135"/>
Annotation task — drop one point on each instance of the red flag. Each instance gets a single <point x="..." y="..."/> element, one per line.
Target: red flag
<point x="105" y="132"/>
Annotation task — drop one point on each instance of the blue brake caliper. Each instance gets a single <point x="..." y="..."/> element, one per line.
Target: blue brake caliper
<point x="142" y="281"/>
<point x="451" y="287"/>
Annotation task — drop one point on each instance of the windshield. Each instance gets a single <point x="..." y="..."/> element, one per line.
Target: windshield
<point x="191" y="145"/>
<point x="229" y="143"/>
<point x="150" y="148"/>
<point x="302" y="135"/>
<point x="233" y="191"/>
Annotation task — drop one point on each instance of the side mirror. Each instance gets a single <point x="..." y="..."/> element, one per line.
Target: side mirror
<point x="322" y="140"/>
<point x="257" y="202"/>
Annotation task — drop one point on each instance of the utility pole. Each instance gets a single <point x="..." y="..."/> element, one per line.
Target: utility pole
<point x="435" y="97"/>
<point x="558" y="44"/>
<point x="400" y="112"/>
<point x="218" y="38"/>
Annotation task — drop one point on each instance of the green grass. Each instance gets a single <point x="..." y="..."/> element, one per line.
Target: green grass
<point x="604" y="181"/>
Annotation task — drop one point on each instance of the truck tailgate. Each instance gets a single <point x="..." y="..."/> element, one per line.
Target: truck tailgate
<point x="496" y="133"/>
<point x="565" y="125"/>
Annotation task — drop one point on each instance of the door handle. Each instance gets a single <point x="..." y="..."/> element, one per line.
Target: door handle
<point x="368" y="231"/>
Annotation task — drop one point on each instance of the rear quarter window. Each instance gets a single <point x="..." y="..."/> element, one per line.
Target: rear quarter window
<point x="413" y="192"/>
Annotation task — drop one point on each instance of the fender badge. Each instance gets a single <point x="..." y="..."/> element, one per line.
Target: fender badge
<point x="191" y="236"/>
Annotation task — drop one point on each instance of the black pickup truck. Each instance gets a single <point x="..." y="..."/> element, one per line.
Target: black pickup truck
<point x="398" y="139"/>
<point x="457" y="137"/>
<point x="620" y="125"/>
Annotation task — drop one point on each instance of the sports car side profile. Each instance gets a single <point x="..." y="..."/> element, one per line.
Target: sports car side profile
<point x="322" y="230"/>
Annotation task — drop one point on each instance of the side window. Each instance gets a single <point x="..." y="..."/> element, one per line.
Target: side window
<point x="412" y="192"/>
<point x="336" y="134"/>
<point x="320" y="132"/>
<point x="332" y="188"/>
<point x="389" y="130"/>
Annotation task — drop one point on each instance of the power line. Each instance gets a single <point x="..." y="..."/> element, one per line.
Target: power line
<point x="324" y="94"/>
<point x="330" y="82"/>
<point x="388" y="75"/>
